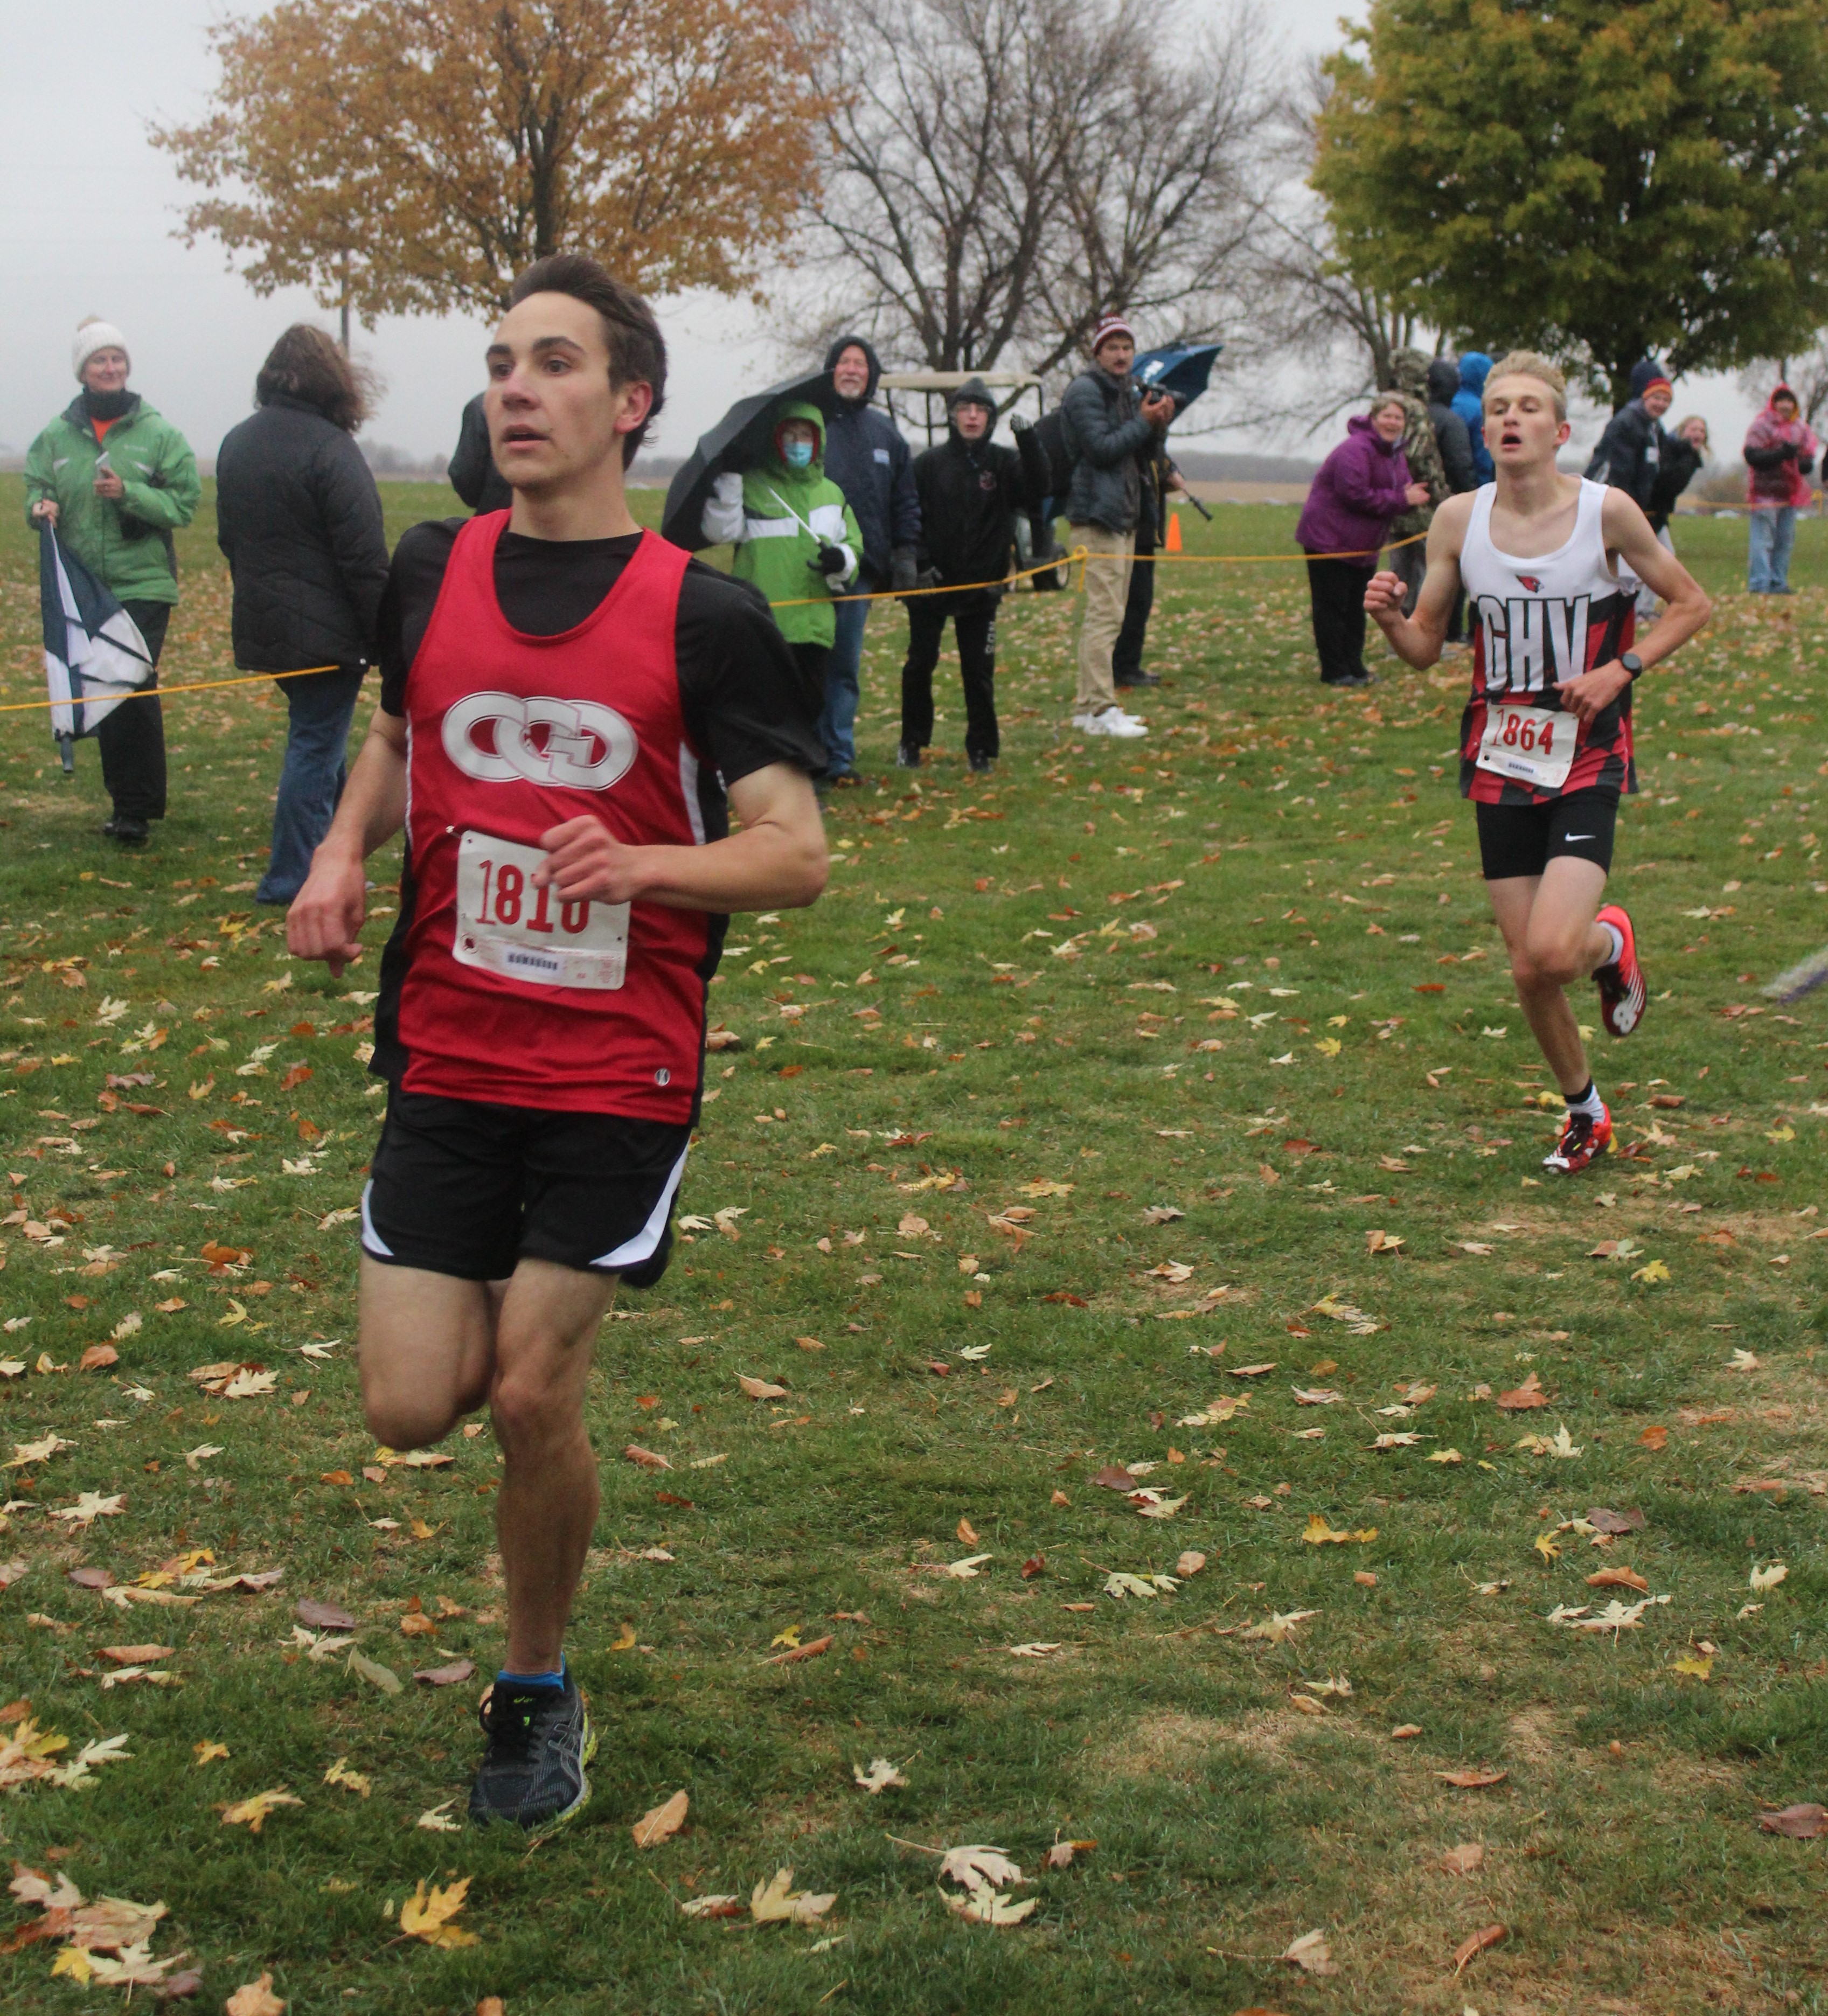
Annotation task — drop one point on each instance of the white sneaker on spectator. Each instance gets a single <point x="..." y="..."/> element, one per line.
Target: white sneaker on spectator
<point x="1112" y="721"/>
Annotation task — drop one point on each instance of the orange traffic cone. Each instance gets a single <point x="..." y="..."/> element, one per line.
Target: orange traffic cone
<point x="1172" y="543"/>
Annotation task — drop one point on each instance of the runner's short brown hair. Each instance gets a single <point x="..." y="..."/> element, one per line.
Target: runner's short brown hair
<point x="1528" y="364"/>
<point x="638" y="351"/>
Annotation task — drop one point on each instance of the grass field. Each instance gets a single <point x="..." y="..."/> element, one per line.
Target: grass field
<point x="1069" y="1114"/>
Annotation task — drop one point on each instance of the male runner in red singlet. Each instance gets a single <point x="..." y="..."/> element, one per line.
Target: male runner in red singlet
<point x="565" y="700"/>
<point x="1545" y="743"/>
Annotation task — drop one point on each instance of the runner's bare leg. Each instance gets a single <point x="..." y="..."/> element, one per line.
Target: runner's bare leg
<point x="547" y="1508"/>
<point x="428" y="1350"/>
<point x="1547" y="921"/>
<point x="434" y="1348"/>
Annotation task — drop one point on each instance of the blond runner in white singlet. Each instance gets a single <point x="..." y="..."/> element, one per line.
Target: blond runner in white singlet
<point x="1546" y="741"/>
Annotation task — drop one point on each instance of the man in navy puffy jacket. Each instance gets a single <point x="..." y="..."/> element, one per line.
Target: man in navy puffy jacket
<point x="866" y="457"/>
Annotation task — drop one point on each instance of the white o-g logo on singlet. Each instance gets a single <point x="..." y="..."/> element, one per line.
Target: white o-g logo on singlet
<point x="581" y="744"/>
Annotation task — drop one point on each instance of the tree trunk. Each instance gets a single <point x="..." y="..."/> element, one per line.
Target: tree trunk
<point x="343" y="305"/>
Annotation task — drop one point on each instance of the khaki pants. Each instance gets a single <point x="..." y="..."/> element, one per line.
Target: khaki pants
<point x="1107" y="591"/>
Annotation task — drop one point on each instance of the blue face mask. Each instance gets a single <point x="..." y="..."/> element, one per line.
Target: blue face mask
<point x="798" y="454"/>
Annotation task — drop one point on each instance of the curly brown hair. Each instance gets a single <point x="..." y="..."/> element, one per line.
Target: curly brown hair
<point x="307" y="365"/>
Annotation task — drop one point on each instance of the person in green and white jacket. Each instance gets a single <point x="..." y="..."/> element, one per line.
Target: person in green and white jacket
<point x="796" y="538"/>
<point x="116" y="480"/>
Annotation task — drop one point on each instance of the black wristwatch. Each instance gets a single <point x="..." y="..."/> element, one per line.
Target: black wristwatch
<point x="1633" y="664"/>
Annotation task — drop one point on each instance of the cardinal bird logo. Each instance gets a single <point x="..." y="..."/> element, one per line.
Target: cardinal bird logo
<point x="1532" y="583"/>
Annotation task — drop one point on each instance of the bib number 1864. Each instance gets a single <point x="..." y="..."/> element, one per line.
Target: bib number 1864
<point x="510" y="925"/>
<point x="1531" y="744"/>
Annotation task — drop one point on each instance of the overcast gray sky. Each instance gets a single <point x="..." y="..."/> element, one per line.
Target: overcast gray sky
<point x="86" y="230"/>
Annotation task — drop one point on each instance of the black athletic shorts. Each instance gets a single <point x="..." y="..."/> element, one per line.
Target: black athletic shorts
<point x="1523" y="839"/>
<point x="461" y="1187"/>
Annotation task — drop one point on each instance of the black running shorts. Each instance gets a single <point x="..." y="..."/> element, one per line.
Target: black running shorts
<point x="1523" y="839"/>
<point x="464" y="1188"/>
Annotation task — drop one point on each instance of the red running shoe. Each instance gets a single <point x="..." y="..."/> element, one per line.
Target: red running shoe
<point x="1582" y="1141"/>
<point x="1621" y="984"/>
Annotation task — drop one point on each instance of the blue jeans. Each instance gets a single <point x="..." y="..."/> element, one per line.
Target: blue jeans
<point x="321" y="705"/>
<point x="838" y="725"/>
<point x="1772" y="534"/>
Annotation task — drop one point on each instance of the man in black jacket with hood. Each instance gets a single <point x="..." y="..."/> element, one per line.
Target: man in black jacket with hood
<point x="867" y="459"/>
<point x="970" y="489"/>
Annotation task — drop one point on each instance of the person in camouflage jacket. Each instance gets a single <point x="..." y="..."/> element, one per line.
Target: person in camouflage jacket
<point x="1408" y="376"/>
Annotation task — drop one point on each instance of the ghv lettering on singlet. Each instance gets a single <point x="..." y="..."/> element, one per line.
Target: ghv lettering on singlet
<point x="1523" y="638"/>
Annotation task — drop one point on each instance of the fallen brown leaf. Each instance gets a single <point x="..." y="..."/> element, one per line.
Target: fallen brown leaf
<point x="1521" y="1398"/>
<point x="1617" y="1579"/>
<point x="1466" y="1859"/>
<point x="451" y="1675"/>
<point x="1805" y="1822"/>
<point x="1310" y="1954"/>
<point x="324" y="1616"/>
<point x="661" y="1823"/>
<point x="1472" y="1780"/>
<point x="795" y="1653"/>
<point x="255" y="1998"/>
<point x="1470" y="1947"/>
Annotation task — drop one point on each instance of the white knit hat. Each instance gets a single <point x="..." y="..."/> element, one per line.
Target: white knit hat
<point x="93" y="334"/>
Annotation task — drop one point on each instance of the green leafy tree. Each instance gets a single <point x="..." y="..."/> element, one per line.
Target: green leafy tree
<point x="1597" y="179"/>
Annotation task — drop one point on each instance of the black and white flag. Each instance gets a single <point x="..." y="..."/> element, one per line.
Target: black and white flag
<point x="94" y="653"/>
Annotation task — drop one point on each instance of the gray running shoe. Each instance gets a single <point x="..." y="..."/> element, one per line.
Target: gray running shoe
<point x="540" y="1741"/>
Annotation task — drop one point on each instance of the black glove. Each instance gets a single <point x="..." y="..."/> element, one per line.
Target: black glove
<point x="1805" y="465"/>
<point x="902" y="568"/>
<point x="1789" y="452"/>
<point x="829" y="561"/>
<point x="929" y="577"/>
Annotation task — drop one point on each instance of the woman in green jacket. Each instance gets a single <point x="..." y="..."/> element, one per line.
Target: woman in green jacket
<point x="796" y="538"/>
<point x="116" y="480"/>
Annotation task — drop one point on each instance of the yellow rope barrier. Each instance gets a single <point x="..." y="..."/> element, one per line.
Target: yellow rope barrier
<point x="167" y="692"/>
<point x="1082" y="555"/>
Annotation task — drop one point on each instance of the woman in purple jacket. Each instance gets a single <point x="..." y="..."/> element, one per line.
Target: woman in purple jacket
<point x="1362" y="485"/>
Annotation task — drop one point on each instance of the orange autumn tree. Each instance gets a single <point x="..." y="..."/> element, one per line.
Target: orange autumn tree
<point x="405" y="156"/>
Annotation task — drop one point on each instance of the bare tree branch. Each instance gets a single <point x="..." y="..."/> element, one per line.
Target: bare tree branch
<point x="1008" y="171"/>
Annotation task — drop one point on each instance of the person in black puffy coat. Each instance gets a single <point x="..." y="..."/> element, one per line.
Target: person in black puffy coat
<point x="971" y="489"/>
<point x="472" y="470"/>
<point x="299" y="517"/>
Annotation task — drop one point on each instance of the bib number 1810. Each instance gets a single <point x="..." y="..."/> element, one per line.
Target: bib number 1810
<point x="504" y="902"/>
<point x="510" y="925"/>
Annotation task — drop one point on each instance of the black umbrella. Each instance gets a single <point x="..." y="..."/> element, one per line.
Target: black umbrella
<point x="1183" y="369"/>
<point x="742" y="438"/>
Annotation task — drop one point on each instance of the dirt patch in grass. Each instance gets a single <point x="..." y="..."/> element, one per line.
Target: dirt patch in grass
<point x="1168" y="1744"/>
